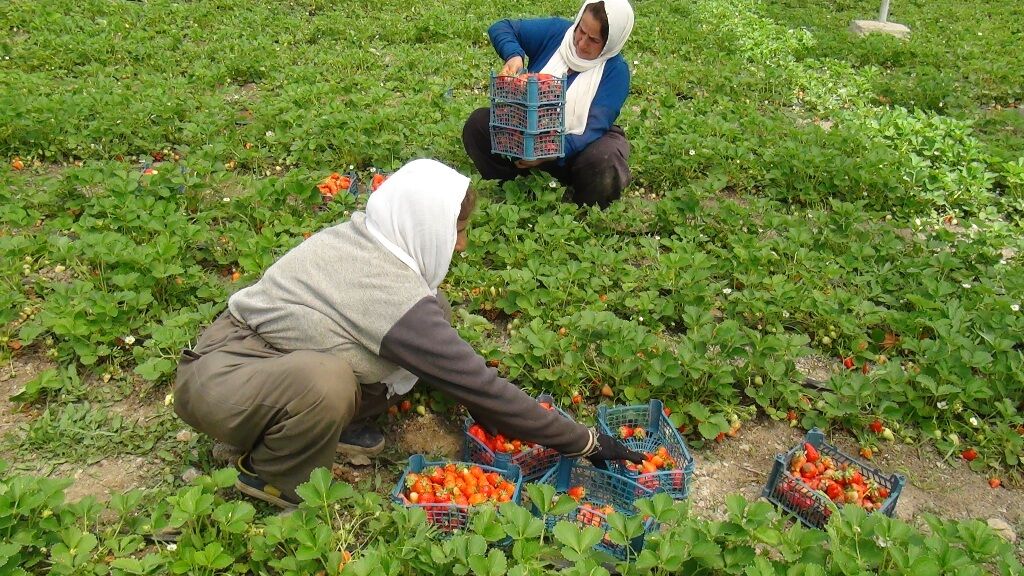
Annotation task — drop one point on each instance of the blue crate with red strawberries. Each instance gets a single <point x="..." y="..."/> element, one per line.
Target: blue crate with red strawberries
<point x="598" y="494"/>
<point x="447" y="491"/>
<point x="668" y="465"/>
<point x="814" y="478"/>
<point x="499" y="451"/>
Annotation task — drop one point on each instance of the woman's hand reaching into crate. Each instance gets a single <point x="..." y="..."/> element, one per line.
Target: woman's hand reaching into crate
<point x="512" y="66"/>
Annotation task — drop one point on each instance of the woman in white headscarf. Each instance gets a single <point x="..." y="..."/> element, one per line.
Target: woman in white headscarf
<point x="595" y="165"/>
<point x="343" y="324"/>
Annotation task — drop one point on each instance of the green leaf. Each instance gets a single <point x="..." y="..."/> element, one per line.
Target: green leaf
<point x="495" y="564"/>
<point x="577" y="540"/>
<point x="737" y="505"/>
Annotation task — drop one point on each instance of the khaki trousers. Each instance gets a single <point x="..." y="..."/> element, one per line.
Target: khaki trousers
<point x="287" y="409"/>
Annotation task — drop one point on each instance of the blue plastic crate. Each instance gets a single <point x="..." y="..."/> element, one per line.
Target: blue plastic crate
<point x="533" y="462"/>
<point x="450" y="517"/>
<point x="602" y="487"/>
<point x="528" y="89"/>
<point x="813" y="507"/>
<point x="659" y="432"/>
<point x="532" y="119"/>
<point x="518" y="144"/>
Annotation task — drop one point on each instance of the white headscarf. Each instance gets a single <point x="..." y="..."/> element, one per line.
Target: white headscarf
<point x="413" y="214"/>
<point x="581" y="93"/>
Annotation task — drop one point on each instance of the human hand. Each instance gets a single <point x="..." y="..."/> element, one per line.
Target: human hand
<point x="525" y="164"/>
<point x="512" y="66"/>
<point x="609" y="448"/>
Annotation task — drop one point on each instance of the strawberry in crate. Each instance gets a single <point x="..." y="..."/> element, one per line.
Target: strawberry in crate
<point x="332" y="185"/>
<point x="657" y="466"/>
<point x="590" y="513"/>
<point x="498" y="443"/>
<point x="843" y="483"/>
<point x="447" y="492"/>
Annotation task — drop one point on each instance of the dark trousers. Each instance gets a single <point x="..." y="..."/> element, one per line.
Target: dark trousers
<point x="597" y="175"/>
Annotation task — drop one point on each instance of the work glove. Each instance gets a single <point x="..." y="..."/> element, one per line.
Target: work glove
<point x="609" y="448"/>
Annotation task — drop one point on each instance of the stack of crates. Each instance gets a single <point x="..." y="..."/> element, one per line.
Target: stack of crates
<point x="528" y="116"/>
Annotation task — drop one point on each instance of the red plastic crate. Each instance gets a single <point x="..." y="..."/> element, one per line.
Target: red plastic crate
<point x="533" y="462"/>
<point x="813" y="507"/>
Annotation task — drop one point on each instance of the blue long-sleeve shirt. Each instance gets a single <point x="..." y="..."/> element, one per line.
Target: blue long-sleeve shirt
<point x="536" y="41"/>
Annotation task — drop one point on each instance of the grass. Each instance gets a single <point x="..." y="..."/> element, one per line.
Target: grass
<point x="833" y="147"/>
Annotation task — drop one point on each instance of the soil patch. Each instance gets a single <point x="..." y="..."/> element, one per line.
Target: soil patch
<point x="109" y="476"/>
<point x="742" y="465"/>
<point x="13" y="377"/>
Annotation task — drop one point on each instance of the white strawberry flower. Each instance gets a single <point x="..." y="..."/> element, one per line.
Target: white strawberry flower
<point x="1015" y="307"/>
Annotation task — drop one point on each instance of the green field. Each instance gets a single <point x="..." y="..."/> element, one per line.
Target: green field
<point x="798" y="193"/>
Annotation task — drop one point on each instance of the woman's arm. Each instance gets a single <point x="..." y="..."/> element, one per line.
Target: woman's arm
<point x="529" y="39"/>
<point x="424" y="343"/>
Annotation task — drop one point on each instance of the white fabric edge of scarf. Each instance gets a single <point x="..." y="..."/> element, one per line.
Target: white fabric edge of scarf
<point x="401" y="380"/>
<point x="580" y="95"/>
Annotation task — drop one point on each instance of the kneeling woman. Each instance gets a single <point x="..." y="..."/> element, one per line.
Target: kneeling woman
<point x="345" y="321"/>
<point x="595" y="166"/>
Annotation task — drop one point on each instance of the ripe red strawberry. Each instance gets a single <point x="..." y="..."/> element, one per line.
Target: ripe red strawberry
<point x="811" y="451"/>
<point x="876" y="426"/>
<point x="848" y="362"/>
<point x="625" y="432"/>
<point x="970" y="454"/>
<point x="577" y="493"/>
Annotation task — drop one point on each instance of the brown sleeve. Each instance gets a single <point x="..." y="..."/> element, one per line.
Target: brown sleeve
<point x="424" y="343"/>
